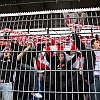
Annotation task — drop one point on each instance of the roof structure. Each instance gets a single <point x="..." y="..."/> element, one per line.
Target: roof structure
<point x="15" y="6"/>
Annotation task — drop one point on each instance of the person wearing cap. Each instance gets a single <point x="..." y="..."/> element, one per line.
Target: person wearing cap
<point x="91" y="67"/>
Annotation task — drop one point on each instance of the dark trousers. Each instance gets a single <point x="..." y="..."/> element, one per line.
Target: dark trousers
<point x="79" y="86"/>
<point x="95" y="87"/>
<point x="27" y="80"/>
<point x="32" y="74"/>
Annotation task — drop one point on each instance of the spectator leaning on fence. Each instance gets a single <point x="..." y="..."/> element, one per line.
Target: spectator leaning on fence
<point x="91" y="64"/>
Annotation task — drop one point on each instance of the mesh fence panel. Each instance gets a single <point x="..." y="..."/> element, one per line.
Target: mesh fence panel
<point x="48" y="56"/>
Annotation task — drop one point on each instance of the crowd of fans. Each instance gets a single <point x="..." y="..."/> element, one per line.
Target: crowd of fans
<point x="64" y="75"/>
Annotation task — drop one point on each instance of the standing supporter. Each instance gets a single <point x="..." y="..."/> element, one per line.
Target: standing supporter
<point x="77" y="75"/>
<point x="91" y="67"/>
<point x="10" y="63"/>
<point x="27" y="63"/>
<point x="7" y="67"/>
<point x="59" y="79"/>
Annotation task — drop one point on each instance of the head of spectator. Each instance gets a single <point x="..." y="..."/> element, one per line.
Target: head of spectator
<point x="48" y="44"/>
<point x="97" y="37"/>
<point x="95" y="44"/>
<point x="62" y="56"/>
<point x="8" y="53"/>
<point x="40" y="46"/>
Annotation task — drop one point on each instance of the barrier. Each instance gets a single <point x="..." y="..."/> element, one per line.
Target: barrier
<point x="52" y="28"/>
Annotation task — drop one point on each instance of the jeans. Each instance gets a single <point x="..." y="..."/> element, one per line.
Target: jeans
<point x="6" y="92"/>
<point x="33" y="76"/>
<point x="95" y="87"/>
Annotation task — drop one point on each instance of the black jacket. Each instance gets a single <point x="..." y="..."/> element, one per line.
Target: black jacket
<point x="7" y="68"/>
<point x="89" y="59"/>
<point x="59" y="73"/>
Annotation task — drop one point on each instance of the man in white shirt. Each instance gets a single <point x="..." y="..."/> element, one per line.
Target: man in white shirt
<point x="91" y="64"/>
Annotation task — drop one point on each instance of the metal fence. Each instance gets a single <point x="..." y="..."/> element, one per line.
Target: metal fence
<point x="50" y="55"/>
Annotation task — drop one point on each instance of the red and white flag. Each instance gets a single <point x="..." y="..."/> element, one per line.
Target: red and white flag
<point x="75" y="19"/>
<point x="41" y="63"/>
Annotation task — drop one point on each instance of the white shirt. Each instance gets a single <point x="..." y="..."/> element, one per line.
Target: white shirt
<point x="97" y="63"/>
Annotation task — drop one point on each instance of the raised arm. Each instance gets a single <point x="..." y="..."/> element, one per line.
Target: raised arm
<point x="70" y="62"/>
<point x="23" y="52"/>
<point x="78" y="42"/>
